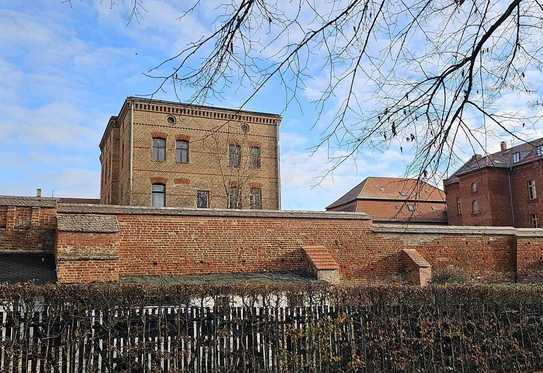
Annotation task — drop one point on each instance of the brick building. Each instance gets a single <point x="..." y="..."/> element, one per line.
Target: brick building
<point x="391" y="199"/>
<point x="499" y="189"/>
<point x="167" y="154"/>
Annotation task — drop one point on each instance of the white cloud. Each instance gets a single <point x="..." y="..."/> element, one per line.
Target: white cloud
<point x="303" y="185"/>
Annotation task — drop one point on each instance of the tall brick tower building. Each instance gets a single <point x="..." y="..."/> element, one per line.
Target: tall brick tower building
<point x="167" y="154"/>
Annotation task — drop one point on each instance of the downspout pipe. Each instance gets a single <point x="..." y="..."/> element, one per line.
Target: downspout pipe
<point x="277" y="137"/>
<point x="131" y="103"/>
<point x="511" y="196"/>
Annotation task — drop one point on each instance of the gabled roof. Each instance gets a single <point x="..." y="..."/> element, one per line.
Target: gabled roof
<point x="503" y="159"/>
<point x="391" y="188"/>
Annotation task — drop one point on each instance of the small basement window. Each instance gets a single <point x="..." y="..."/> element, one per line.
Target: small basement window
<point x="158" y="195"/>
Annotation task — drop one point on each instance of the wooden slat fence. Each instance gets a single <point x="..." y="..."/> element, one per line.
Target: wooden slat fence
<point x="324" y="338"/>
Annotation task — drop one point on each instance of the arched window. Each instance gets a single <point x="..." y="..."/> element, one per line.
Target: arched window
<point x="158" y="192"/>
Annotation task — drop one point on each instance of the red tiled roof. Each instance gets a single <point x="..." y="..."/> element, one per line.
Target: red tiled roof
<point x="391" y="188"/>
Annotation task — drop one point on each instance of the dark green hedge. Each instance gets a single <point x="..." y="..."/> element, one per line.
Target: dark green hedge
<point x="294" y="328"/>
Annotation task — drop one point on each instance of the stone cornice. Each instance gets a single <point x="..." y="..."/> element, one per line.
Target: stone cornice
<point x="208" y="112"/>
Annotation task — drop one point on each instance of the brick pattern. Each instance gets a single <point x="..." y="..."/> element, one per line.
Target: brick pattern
<point x="86" y="271"/>
<point x="209" y="132"/>
<point x="157" y="242"/>
<point x="27" y="229"/>
<point x="529" y="259"/>
<point x="87" y="257"/>
<point x="523" y="206"/>
<point x="417" y="269"/>
<point x="502" y="194"/>
<point x="169" y="245"/>
<point x="484" y="258"/>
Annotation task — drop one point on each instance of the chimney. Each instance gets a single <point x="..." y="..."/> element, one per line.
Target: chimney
<point x="503" y="146"/>
<point x="476" y="157"/>
<point x="38" y="192"/>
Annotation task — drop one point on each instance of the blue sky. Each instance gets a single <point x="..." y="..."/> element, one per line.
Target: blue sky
<point x="65" y="70"/>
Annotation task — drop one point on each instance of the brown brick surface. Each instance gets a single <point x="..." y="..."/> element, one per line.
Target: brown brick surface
<point x="209" y="131"/>
<point x="502" y="196"/>
<point x="158" y="242"/>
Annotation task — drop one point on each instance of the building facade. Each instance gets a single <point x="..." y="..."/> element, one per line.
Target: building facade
<point x="500" y="189"/>
<point x="167" y="154"/>
<point x="391" y="199"/>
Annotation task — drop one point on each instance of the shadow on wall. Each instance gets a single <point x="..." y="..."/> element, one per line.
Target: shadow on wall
<point x="20" y="267"/>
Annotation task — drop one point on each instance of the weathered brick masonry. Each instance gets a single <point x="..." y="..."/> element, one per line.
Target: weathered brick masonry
<point x="27" y="225"/>
<point x="189" y="241"/>
<point x="106" y="243"/>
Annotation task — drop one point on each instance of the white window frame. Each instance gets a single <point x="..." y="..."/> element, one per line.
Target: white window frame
<point x="532" y="192"/>
<point x="475" y="203"/>
<point x="534" y="220"/>
<point x="162" y="192"/>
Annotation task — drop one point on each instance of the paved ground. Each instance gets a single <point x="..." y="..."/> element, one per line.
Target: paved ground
<point x="21" y="267"/>
<point x="223" y="279"/>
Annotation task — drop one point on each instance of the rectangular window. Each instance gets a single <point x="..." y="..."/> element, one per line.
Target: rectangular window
<point x="234" y="198"/>
<point x="256" y="198"/>
<point x="255" y="157"/>
<point x="475" y="208"/>
<point x="459" y="206"/>
<point x="539" y="150"/>
<point x="516" y="157"/>
<point x="202" y="199"/>
<point x="159" y="149"/>
<point x="182" y="151"/>
<point x="534" y="219"/>
<point x="159" y="195"/>
<point x="532" y="193"/>
<point x="234" y="152"/>
<point x="474" y="187"/>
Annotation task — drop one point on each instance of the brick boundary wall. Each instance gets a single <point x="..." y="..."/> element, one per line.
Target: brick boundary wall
<point x="172" y="242"/>
<point x="107" y="243"/>
<point x="27" y="225"/>
<point x="488" y="254"/>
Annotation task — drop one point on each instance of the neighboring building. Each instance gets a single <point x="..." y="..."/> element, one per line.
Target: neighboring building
<point x="499" y="189"/>
<point x="392" y="199"/>
<point x="167" y="154"/>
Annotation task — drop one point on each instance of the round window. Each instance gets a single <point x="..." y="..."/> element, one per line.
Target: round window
<point x="171" y="119"/>
<point x="244" y="128"/>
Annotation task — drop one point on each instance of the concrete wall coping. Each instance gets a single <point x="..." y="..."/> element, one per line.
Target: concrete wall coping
<point x="68" y="208"/>
<point x="19" y="201"/>
<point x="87" y="223"/>
<point x="455" y="229"/>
